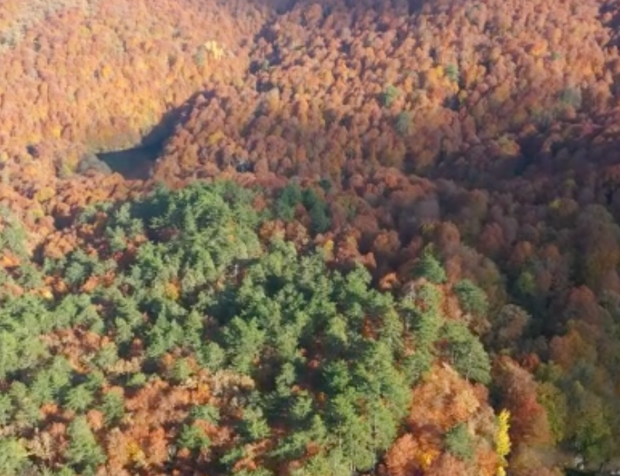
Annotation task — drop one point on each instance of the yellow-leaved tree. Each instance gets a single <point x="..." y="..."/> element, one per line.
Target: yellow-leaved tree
<point x="502" y="441"/>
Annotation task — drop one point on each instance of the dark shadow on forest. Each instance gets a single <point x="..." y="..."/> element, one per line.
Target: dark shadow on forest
<point x="281" y="7"/>
<point x="133" y="164"/>
<point x="137" y="162"/>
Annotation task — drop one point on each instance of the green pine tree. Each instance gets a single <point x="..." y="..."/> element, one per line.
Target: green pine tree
<point x="83" y="452"/>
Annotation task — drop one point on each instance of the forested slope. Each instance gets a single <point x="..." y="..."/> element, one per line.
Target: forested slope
<point x="189" y="335"/>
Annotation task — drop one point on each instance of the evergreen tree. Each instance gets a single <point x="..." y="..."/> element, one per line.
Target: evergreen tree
<point x="113" y="406"/>
<point x="181" y="371"/>
<point x="137" y="380"/>
<point x="9" y="353"/>
<point x="337" y="376"/>
<point x="83" y="452"/>
<point x="418" y="364"/>
<point x="106" y="357"/>
<point x="430" y="268"/>
<point x="466" y="352"/>
<point x="211" y="356"/>
<point x="13" y="457"/>
<point x="472" y="298"/>
<point x="458" y="442"/>
<point x="208" y="413"/>
<point x="41" y="388"/>
<point x="79" y="398"/>
<point x="427" y="330"/>
<point x="193" y="438"/>
<point x="27" y="412"/>
<point x="353" y="433"/>
<point x="333" y="463"/>
<point x="244" y="340"/>
<point x="6" y="409"/>
<point x="254" y="424"/>
<point x="289" y="198"/>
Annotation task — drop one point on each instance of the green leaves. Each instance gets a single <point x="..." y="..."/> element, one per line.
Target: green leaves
<point x="254" y="424"/>
<point x="79" y="398"/>
<point x="13" y="456"/>
<point x="466" y="352"/>
<point x="289" y="198"/>
<point x="193" y="438"/>
<point x="334" y="463"/>
<point x="244" y="339"/>
<point x="428" y="326"/>
<point x="390" y="95"/>
<point x="472" y="298"/>
<point x="6" y="409"/>
<point x="459" y="442"/>
<point x="9" y="355"/>
<point x="307" y="356"/>
<point x="208" y="413"/>
<point x="292" y="196"/>
<point x="181" y="371"/>
<point x="83" y="451"/>
<point x="113" y="406"/>
<point x="430" y="268"/>
<point x="13" y="236"/>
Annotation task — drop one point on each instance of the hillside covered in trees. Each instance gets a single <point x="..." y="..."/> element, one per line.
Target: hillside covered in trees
<point x="296" y="238"/>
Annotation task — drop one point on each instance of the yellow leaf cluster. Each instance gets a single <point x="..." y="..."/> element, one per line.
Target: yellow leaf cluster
<point x="106" y="71"/>
<point x="214" y="49"/>
<point x="135" y="454"/>
<point x="428" y="228"/>
<point x="56" y="131"/>
<point x="328" y="247"/>
<point x="44" y="194"/>
<point x="215" y="137"/>
<point x="46" y="293"/>
<point x="426" y="458"/>
<point x="171" y="291"/>
<point x="502" y="440"/>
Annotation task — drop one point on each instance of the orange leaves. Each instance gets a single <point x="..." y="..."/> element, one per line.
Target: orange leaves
<point x="96" y="419"/>
<point x="399" y="459"/>
<point x="389" y="282"/>
<point x="9" y="260"/>
<point x="529" y="423"/>
<point x="271" y="230"/>
<point x="123" y="79"/>
<point x="443" y="401"/>
<point x="449" y="464"/>
<point x="570" y="348"/>
<point x="408" y="456"/>
<point x="91" y="284"/>
<point x="538" y="49"/>
<point x="440" y="403"/>
<point x="118" y="449"/>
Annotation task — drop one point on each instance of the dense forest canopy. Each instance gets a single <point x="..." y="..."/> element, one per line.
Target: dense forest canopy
<point x="263" y="355"/>
<point x="379" y="237"/>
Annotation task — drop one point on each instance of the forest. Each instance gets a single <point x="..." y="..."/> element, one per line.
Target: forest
<point x="309" y="238"/>
<point x="192" y="312"/>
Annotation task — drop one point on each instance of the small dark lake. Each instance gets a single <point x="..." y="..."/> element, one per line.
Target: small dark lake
<point x="133" y="164"/>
